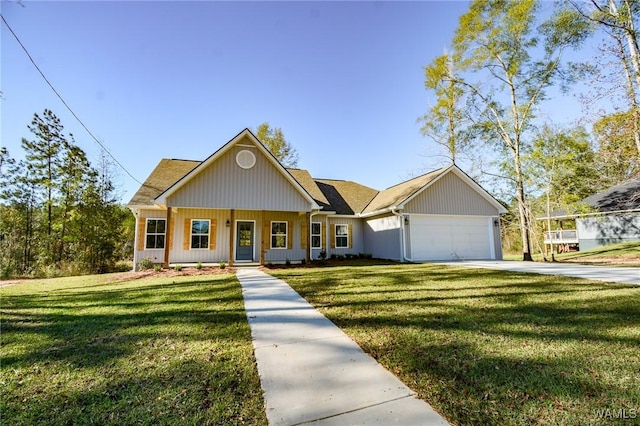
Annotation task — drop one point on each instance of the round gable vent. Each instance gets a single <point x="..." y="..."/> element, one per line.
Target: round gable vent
<point x="246" y="159"/>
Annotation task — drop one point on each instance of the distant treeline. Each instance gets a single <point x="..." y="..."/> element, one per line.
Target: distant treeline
<point x="59" y="214"/>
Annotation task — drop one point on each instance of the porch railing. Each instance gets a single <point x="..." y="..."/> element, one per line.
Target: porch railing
<point x="561" y="236"/>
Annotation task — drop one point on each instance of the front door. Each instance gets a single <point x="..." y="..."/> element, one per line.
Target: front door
<point x="244" y="241"/>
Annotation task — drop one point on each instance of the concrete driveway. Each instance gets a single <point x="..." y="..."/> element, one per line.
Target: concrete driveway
<point x="625" y="275"/>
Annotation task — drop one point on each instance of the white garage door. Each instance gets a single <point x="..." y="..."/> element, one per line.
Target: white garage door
<point x="451" y="238"/>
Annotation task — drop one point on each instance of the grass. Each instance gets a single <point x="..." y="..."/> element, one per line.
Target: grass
<point x="490" y="347"/>
<point x="85" y="350"/>
<point x="623" y="251"/>
<point x="622" y="254"/>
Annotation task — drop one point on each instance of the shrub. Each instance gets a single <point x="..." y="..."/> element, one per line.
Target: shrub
<point x="122" y="266"/>
<point x="145" y="264"/>
<point x="334" y="256"/>
<point x="303" y="261"/>
<point x="157" y="268"/>
<point x="177" y="268"/>
<point x="323" y="255"/>
<point x="6" y="272"/>
<point x="222" y="264"/>
<point x="199" y="265"/>
<point x="287" y="262"/>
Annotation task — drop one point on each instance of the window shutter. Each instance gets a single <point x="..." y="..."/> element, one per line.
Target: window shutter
<point x="212" y="234"/>
<point x="170" y="232"/>
<point x="289" y="235"/>
<point x="323" y="236"/>
<point x="303" y="235"/>
<point x="186" y="242"/>
<point x="349" y="234"/>
<point x="333" y="236"/>
<point x="142" y="224"/>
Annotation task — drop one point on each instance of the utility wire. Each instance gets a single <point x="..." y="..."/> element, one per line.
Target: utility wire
<point x="65" y="103"/>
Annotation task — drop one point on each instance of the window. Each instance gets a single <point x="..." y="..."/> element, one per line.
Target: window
<point x="342" y="236"/>
<point x="156" y="229"/>
<point x="279" y="235"/>
<point x="200" y="234"/>
<point x="316" y="235"/>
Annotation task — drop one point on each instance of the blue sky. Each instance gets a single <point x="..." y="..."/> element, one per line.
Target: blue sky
<point x="152" y="80"/>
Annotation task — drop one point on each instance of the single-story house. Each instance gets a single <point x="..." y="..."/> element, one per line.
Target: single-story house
<point x="613" y="217"/>
<point x="242" y="205"/>
<point x="617" y="219"/>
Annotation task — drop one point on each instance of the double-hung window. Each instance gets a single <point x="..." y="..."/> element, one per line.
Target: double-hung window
<point x="156" y="229"/>
<point x="342" y="236"/>
<point x="279" y="235"/>
<point x="200" y="233"/>
<point x="316" y="235"/>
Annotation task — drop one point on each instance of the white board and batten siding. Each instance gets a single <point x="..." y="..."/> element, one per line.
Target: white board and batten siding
<point x="156" y="255"/>
<point x="357" y="240"/>
<point x="450" y="195"/>
<point x="182" y="218"/>
<point x="449" y="221"/>
<point x="226" y="185"/>
<point x="383" y="237"/>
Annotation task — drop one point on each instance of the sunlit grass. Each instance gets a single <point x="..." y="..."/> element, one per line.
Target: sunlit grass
<point x="490" y="347"/>
<point x="85" y="350"/>
<point x="623" y="254"/>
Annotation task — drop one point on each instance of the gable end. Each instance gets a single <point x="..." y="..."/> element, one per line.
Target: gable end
<point x="451" y="195"/>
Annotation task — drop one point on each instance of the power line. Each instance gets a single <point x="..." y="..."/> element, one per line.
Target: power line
<point x="65" y="103"/>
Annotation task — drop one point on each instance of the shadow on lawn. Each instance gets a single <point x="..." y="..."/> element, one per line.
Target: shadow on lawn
<point x="175" y="353"/>
<point x="116" y="320"/>
<point x="490" y="347"/>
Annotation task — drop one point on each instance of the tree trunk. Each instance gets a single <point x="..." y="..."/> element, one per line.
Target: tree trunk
<point x="522" y="211"/>
<point x="628" y="31"/>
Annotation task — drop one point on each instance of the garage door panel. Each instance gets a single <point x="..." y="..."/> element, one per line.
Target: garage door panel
<point x="446" y="238"/>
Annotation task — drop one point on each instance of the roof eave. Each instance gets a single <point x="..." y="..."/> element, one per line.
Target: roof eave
<point x="579" y="215"/>
<point x="379" y="212"/>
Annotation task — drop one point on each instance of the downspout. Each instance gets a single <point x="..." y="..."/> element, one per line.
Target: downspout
<point x="403" y="251"/>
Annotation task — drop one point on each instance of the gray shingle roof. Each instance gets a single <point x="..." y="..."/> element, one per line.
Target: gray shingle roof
<point x="396" y="194"/>
<point x="166" y="173"/>
<point x="625" y="196"/>
<point x="346" y="197"/>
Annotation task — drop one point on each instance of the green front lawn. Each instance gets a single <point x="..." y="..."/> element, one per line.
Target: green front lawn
<point x="622" y="254"/>
<point x="85" y="350"/>
<point x="491" y="347"/>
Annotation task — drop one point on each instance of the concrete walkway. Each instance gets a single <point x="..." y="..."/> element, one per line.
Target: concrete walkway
<point x="312" y="373"/>
<point x="625" y="275"/>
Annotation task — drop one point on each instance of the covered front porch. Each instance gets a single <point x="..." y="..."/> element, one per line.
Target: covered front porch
<point x="191" y="236"/>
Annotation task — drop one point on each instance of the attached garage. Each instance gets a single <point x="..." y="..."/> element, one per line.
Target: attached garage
<point x="433" y="237"/>
<point x="443" y="215"/>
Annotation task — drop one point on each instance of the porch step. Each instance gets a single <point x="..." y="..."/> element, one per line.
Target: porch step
<point x="246" y="264"/>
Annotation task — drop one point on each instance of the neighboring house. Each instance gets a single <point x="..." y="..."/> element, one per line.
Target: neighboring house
<point x="242" y="205"/>
<point x="618" y="218"/>
<point x="615" y="219"/>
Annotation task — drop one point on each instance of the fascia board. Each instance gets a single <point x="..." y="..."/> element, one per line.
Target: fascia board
<point x="145" y="206"/>
<point x="378" y="212"/>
